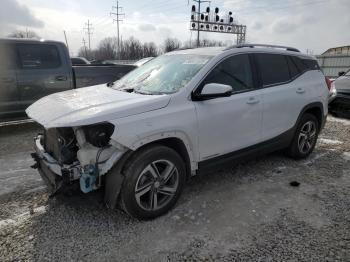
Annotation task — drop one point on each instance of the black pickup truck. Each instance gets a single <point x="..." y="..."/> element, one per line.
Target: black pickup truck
<point x="31" y="69"/>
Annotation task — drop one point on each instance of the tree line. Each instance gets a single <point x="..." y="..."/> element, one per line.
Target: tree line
<point x="134" y="49"/>
<point x="130" y="49"/>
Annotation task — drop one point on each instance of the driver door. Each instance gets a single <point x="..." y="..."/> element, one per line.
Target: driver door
<point x="231" y="123"/>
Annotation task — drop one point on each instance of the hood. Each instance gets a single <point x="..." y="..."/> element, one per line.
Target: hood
<point x="91" y="105"/>
<point x="342" y="84"/>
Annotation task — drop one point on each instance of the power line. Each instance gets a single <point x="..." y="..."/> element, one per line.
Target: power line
<point x="89" y="29"/>
<point x="118" y="16"/>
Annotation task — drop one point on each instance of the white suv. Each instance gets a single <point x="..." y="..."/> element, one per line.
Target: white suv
<point x="143" y="136"/>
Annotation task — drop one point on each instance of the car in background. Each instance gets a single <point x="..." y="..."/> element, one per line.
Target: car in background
<point x="340" y="104"/>
<point x="31" y="69"/>
<point x="79" y="61"/>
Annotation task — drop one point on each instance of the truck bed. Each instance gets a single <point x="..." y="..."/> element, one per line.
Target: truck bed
<point x="89" y="75"/>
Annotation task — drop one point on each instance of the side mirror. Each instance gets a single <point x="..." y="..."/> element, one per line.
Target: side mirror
<point x="211" y="91"/>
<point x="341" y="73"/>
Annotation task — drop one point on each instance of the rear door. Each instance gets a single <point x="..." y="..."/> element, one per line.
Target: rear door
<point x="42" y="71"/>
<point x="8" y="86"/>
<point x="283" y="93"/>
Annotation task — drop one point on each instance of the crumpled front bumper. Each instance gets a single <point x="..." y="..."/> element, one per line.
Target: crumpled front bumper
<point x="56" y="175"/>
<point x="53" y="173"/>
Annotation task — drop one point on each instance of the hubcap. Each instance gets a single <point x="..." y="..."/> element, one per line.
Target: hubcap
<point x="156" y="185"/>
<point x="307" y="137"/>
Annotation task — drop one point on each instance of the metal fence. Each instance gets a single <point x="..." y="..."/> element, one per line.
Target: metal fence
<point x="335" y="60"/>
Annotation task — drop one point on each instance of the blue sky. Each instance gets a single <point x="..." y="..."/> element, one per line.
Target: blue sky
<point x="306" y="24"/>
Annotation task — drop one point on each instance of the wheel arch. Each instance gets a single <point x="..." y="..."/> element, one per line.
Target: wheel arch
<point x="179" y="146"/>
<point x="315" y="109"/>
<point x="115" y="178"/>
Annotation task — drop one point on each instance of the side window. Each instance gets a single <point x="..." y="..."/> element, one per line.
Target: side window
<point x="293" y="70"/>
<point x="311" y="64"/>
<point x="299" y="64"/>
<point x="273" y="68"/>
<point x="234" y="71"/>
<point x="38" y="56"/>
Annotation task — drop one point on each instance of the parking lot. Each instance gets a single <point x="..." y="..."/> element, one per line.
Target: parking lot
<point x="248" y="212"/>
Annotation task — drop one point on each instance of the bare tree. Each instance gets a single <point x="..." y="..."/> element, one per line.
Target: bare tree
<point x="205" y="43"/>
<point x="130" y="49"/>
<point x="150" y="49"/>
<point x="107" y="49"/>
<point x="24" y="34"/>
<point x="85" y="52"/>
<point x="171" y="44"/>
<point x="209" y="43"/>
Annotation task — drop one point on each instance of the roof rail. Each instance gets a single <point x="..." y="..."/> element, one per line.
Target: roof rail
<point x="260" y="45"/>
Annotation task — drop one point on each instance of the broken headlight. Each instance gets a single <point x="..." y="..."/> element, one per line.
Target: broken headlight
<point x="99" y="135"/>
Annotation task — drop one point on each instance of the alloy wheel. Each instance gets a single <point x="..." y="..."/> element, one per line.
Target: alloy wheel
<point x="156" y="185"/>
<point x="307" y="137"/>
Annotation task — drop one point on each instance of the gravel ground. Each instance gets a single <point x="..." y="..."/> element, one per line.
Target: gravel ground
<point x="246" y="212"/>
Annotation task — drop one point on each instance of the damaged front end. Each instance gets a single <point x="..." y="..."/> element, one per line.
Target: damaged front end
<point x="65" y="155"/>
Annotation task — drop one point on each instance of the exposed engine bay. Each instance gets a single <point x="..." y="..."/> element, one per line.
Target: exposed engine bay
<point x="85" y="153"/>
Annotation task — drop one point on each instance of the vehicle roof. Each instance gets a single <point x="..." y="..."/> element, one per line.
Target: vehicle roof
<point x="26" y="40"/>
<point x="214" y="51"/>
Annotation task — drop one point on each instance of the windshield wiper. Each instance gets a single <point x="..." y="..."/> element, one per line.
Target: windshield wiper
<point x="142" y="93"/>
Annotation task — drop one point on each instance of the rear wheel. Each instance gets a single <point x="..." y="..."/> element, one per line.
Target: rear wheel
<point x="305" y="137"/>
<point x="154" y="178"/>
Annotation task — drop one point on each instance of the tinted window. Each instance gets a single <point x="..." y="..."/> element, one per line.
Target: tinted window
<point x="234" y="71"/>
<point x="299" y="64"/>
<point x="293" y="70"/>
<point x="38" y="56"/>
<point x="311" y="64"/>
<point x="273" y="68"/>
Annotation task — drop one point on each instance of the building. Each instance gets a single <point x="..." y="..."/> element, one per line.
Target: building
<point x="335" y="60"/>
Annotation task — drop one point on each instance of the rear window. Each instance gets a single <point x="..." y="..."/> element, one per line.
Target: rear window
<point x="293" y="70"/>
<point x="311" y="64"/>
<point x="302" y="67"/>
<point x="273" y="68"/>
<point x="38" y="56"/>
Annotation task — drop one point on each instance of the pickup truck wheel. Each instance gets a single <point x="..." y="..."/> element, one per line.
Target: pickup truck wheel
<point x="154" y="179"/>
<point x="305" y="137"/>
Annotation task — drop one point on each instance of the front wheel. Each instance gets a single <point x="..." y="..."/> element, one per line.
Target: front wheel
<point x="305" y="137"/>
<point x="154" y="178"/>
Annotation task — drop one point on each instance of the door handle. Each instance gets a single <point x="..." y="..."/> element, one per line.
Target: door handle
<point x="300" y="90"/>
<point x="61" y="78"/>
<point x="252" y="101"/>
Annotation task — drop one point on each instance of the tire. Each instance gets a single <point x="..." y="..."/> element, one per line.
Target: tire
<point x="305" y="137"/>
<point x="154" y="179"/>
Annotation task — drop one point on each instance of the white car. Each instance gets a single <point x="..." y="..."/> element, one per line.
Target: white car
<point x="175" y="116"/>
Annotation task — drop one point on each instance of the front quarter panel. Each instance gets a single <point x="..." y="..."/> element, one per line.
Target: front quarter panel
<point x="177" y="120"/>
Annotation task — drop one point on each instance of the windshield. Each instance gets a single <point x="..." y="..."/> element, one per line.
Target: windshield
<point x="163" y="75"/>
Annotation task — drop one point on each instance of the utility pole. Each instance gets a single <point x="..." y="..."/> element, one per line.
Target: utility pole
<point x="199" y="2"/>
<point x="89" y="29"/>
<point x="65" y="37"/>
<point x="84" y="43"/>
<point x="118" y="16"/>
